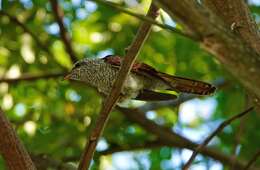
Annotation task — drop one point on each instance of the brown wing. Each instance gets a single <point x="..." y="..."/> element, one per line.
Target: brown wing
<point x="188" y="85"/>
<point x="176" y="83"/>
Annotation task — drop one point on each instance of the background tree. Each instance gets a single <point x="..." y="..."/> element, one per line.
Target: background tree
<point x="40" y="40"/>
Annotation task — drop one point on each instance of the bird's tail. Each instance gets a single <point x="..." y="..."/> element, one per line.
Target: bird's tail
<point x="188" y="85"/>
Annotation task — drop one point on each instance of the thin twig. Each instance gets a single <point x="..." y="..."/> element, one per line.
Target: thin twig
<point x="213" y="134"/>
<point x="58" y="13"/>
<point x="31" y="77"/>
<point x="15" y="155"/>
<point x="147" y="19"/>
<point x="170" y="138"/>
<point x="112" y="98"/>
<point x="253" y="160"/>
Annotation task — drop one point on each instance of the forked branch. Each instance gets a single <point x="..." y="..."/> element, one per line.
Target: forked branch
<point x="212" y="135"/>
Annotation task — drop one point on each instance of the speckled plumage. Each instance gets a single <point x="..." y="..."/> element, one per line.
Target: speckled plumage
<point x="141" y="83"/>
<point x="101" y="75"/>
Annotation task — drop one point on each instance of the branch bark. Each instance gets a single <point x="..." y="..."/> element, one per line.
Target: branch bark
<point x="58" y="13"/>
<point x="170" y="138"/>
<point x="112" y="98"/>
<point x="213" y="134"/>
<point x="237" y="15"/>
<point x="15" y="155"/>
<point x="237" y="57"/>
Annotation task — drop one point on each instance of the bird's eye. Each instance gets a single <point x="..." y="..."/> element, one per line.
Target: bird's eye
<point x="78" y="64"/>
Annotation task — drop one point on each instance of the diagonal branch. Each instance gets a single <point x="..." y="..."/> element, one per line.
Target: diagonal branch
<point x="253" y="160"/>
<point x="58" y="13"/>
<point x="170" y="138"/>
<point x="145" y="18"/>
<point x="112" y="98"/>
<point x="31" y="77"/>
<point x="15" y="155"/>
<point x="236" y="15"/>
<point x="213" y="134"/>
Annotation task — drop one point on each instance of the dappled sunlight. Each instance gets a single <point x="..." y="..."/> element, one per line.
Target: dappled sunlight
<point x="13" y="72"/>
<point x="7" y="102"/>
<point x="55" y="117"/>
<point x="20" y="109"/>
<point x="30" y="127"/>
<point x="26" y="49"/>
<point x="3" y="88"/>
<point x="190" y="112"/>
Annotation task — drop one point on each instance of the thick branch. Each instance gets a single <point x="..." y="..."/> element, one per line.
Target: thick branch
<point x="172" y="139"/>
<point x="145" y="18"/>
<point x="111" y="100"/>
<point x="31" y="77"/>
<point x="240" y="59"/>
<point x="212" y="135"/>
<point x="237" y="15"/>
<point x="58" y="13"/>
<point x="11" y="148"/>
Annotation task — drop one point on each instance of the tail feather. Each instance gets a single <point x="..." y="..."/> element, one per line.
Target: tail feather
<point x="188" y="85"/>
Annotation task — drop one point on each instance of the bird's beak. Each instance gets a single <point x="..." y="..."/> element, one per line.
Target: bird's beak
<point x="67" y="77"/>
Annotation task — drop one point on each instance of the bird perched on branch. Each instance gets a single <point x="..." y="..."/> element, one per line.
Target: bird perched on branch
<point x="142" y="83"/>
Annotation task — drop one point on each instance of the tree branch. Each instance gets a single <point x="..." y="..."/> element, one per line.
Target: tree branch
<point x="14" y="153"/>
<point x="58" y="13"/>
<point x="145" y="18"/>
<point x="253" y="160"/>
<point x="213" y="134"/>
<point x="31" y="77"/>
<point x="170" y="138"/>
<point x="112" y="98"/>
<point x="237" y="57"/>
<point x="236" y="15"/>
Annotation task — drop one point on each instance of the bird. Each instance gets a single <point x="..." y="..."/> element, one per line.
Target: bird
<point x="143" y="82"/>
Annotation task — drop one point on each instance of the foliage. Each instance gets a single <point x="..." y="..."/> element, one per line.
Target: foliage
<point x="53" y="116"/>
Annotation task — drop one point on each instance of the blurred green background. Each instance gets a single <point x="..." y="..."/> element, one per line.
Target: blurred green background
<point x="53" y="117"/>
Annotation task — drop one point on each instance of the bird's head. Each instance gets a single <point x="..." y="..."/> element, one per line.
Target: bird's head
<point x="80" y="69"/>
